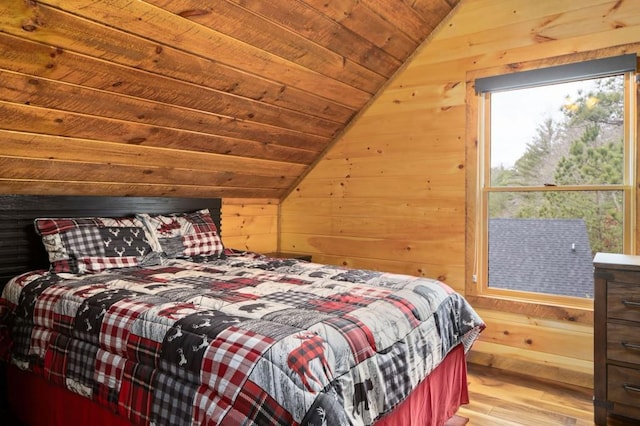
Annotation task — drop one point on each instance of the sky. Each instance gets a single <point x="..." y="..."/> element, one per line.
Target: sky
<point x="516" y="114"/>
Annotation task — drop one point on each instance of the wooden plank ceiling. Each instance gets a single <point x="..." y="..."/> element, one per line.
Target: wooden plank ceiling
<point x="232" y="98"/>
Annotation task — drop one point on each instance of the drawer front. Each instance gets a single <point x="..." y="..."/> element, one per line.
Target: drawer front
<point x="623" y="385"/>
<point x="623" y="343"/>
<point x="623" y="301"/>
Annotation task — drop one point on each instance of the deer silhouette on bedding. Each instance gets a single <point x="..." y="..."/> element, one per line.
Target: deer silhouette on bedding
<point x="299" y="359"/>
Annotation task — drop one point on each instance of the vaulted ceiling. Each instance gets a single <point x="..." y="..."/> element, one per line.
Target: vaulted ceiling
<point x="233" y="98"/>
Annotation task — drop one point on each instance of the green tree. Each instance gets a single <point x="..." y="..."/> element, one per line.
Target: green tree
<point x="595" y="157"/>
<point x="532" y="168"/>
<point x="604" y="105"/>
<point x="585" y="147"/>
<point x="529" y="169"/>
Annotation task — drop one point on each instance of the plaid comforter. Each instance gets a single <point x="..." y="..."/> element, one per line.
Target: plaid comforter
<point x="243" y="340"/>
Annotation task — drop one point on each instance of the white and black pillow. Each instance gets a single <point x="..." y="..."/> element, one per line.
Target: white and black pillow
<point x="87" y="245"/>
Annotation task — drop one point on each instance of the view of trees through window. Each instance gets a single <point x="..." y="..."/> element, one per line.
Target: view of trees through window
<point x="569" y="166"/>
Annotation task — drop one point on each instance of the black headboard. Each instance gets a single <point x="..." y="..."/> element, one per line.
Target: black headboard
<point x="21" y="248"/>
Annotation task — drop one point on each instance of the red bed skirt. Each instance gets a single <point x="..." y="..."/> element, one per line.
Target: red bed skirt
<point x="437" y="398"/>
<point x="35" y="402"/>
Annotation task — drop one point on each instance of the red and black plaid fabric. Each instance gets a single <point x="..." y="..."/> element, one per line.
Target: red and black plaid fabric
<point x="244" y="341"/>
<point x="20" y="341"/>
<point x="351" y="299"/>
<point x="360" y="339"/>
<point x="105" y="396"/>
<point x="28" y="305"/>
<point x="370" y="291"/>
<point x="196" y="233"/>
<point x="394" y="367"/>
<point x="201" y="244"/>
<point x="246" y="281"/>
<point x="136" y="393"/>
<point x="143" y="350"/>
<point x="63" y="323"/>
<point x="64" y="265"/>
<point x="117" y="323"/>
<point x="309" y="348"/>
<point x="233" y="355"/>
<point x="255" y="405"/>
<point x="209" y="407"/>
<point x="173" y="398"/>
<point x="55" y="226"/>
<point x="44" y="312"/>
<point x="55" y="360"/>
<point x="108" y="374"/>
<point x="406" y="307"/>
<point x="97" y="264"/>
<point x="293" y="280"/>
<point x="201" y="221"/>
<point x="81" y="366"/>
<point x="330" y="306"/>
<point x="40" y="338"/>
<point x="83" y="241"/>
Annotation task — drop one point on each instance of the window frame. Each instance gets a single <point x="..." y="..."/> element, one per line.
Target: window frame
<point x="478" y="168"/>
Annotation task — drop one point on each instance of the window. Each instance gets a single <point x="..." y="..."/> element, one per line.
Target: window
<point x="555" y="178"/>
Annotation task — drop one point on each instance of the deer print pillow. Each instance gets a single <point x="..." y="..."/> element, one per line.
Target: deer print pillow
<point x="185" y="235"/>
<point x="93" y="244"/>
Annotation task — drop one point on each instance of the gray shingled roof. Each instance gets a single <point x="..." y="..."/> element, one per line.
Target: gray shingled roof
<point x="542" y="255"/>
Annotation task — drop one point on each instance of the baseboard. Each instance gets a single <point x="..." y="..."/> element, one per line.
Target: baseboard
<point x="546" y="367"/>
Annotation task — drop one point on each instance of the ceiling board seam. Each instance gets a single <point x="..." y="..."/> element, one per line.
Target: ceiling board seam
<point x="321" y="15"/>
<point x="282" y="85"/>
<point x="365" y="108"/>
<point x="230" y="40"/>
<point x="171" y="129"/>
<point x="166" y="104"/>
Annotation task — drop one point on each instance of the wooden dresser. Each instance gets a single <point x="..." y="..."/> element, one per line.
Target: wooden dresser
<point x="616" y="336"/>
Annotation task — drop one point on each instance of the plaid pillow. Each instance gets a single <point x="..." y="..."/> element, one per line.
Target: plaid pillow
<point x="185" y="235"/>
<point x="93" y="244"/>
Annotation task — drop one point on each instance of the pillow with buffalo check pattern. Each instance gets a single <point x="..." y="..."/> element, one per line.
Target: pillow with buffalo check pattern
<point x="93" y="244"/>
<point x="185" y="235"/>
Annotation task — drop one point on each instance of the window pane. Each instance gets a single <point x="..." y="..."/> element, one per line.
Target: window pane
<point x="563" y="134"/>
<point x="544" y="242"/>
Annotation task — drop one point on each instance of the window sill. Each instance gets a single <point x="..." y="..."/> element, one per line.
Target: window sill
<point x="535" y="308"/>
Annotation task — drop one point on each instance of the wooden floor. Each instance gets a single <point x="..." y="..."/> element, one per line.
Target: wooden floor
<point x="499" y="398"/>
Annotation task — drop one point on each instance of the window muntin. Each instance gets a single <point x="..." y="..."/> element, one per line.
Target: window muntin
<point x="574" y="167"/>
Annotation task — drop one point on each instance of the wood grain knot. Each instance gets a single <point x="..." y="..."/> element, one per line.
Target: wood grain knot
<point x="193" y="12"/>
<point x="30" y="25"/>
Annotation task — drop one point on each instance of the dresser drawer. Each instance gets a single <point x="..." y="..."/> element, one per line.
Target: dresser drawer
<point x="623" y="301"/>
<point x="623" y="385"/>
<point x="623" y="343"/>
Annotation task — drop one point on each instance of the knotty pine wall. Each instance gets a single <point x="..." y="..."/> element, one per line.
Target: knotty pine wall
<point x="390" y="194"/>
<point x="250" y="224"/>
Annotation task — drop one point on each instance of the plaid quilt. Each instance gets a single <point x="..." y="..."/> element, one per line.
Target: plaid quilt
<point x="242" y="340"/>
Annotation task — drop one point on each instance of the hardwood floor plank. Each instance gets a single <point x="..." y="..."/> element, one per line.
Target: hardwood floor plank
<point x="501" y="398"/>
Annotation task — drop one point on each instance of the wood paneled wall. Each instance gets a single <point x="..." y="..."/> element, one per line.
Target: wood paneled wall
<point x="250" y="224"/>
<point x="224" y="98"/>
<point x="390" y="194"/>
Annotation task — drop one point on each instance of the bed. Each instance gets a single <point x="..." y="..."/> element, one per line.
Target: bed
<point x="136" y="313"/>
